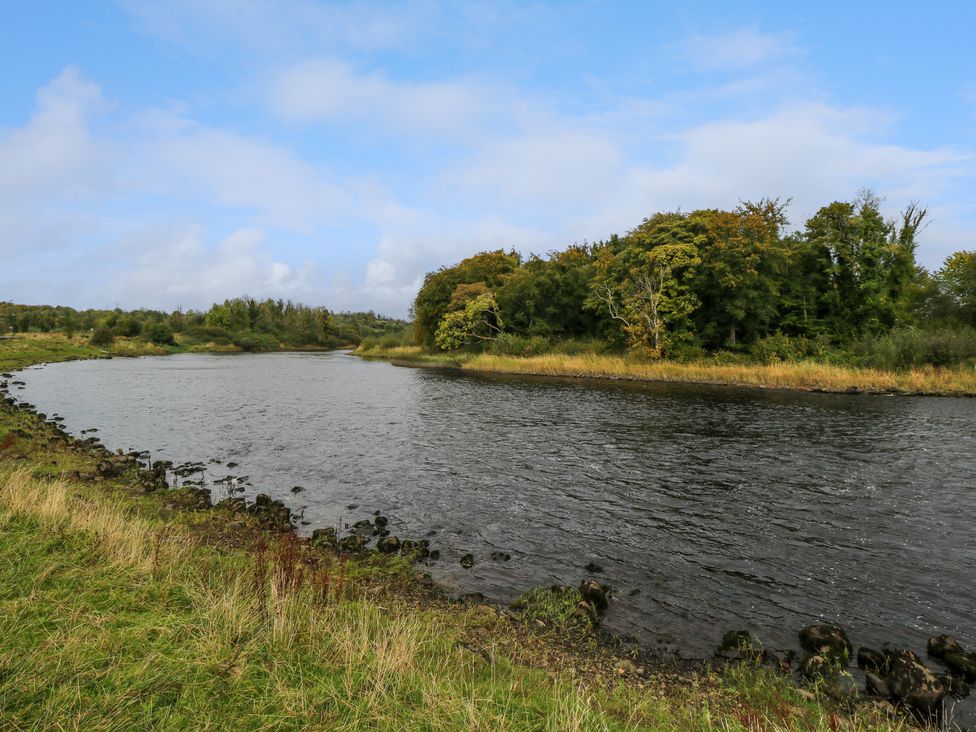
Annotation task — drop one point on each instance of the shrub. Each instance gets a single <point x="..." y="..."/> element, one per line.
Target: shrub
<point x="777" y="347"/>
<point x="128" y="327"/>
<point x="579" y="346"/>
<point x="510" y="344"/>
<point x="160" y="334"/>
<point x="255" y="342"/>
<point x="905" y="348"/>
<point x="102" y="336"/>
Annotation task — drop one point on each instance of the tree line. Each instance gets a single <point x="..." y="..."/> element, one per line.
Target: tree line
<point x="243" y="322"/>
<point x="685" y="285"/>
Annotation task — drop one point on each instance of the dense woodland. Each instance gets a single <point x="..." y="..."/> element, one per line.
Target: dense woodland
<point x="242" y="322"/>
<point x="735" y="284"/>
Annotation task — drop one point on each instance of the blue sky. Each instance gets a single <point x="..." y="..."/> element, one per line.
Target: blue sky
<point x="176" y="153"/>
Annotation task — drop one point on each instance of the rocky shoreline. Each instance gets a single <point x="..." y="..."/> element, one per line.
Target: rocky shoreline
<point x="893" y="679"/>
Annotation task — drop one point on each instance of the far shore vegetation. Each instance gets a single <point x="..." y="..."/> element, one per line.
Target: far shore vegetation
<point x="726" y="297"/>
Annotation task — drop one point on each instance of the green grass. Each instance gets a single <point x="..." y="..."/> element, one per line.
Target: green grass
<point x="118" y="612"/>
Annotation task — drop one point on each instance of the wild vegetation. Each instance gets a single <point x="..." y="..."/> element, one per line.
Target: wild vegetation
<point x="131" y="610"/>
<point x="733" y="285"/>
<point x="238" y="324"/>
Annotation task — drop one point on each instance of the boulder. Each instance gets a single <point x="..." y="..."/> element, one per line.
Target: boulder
<point x="829" y="641"/>
<point x="942" y="645"/>
<point x="912" y="683"/>
<point x="596" y="594"/>
<point x="869" y="659"/>
<point x="352" y="544"/>
<point x="961" y="665"/>
<point x="739" y="645"/>
<point x="875" y="684"/>
<point x="262" y="500"/>
<point x="326" y="535"/>
<point x="388" y="545"/>
<point x="814" y="667"/>
<point x="381" y="521"/>
<point x="467" y="561"/>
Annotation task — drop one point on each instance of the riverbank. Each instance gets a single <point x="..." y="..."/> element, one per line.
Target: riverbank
<point x="802" y="375"/>
<point x="128" y="608"/>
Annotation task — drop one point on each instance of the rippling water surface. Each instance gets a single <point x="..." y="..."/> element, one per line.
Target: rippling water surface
<point x="708" y="508"/>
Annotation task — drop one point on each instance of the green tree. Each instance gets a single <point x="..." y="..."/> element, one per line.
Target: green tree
<point x="647" y="291"/>
<point x="477" y="320"/>
<point x="957" y="279"/>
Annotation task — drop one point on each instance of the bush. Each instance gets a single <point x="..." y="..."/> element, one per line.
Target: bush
<point x="777" y="347"/>
<point x="906" y="348"/>
<point x="160" y="334"/>
<point x="255" y="342"/>
<point x="578" y="346"/>
<point x="102" y="336"/>
<point x="510" y="344"/>
<point x="128" y="327"/>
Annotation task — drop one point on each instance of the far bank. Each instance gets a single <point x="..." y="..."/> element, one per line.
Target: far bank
<point x="799" y="375"/>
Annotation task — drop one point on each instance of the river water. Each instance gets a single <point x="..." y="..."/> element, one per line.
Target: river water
<point x="708" y="508"/>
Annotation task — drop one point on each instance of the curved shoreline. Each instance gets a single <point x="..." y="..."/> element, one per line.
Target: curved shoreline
<point x="800" y="376"/>
<point x="606" y="644"/>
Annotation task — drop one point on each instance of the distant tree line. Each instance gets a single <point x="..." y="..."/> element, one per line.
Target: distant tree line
<point x="243" y="322"/>
<point x="684" y="285"/>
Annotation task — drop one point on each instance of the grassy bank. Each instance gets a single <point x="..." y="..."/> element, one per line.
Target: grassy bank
<point x="122" y="609"/>
<point x="803" y="375"/>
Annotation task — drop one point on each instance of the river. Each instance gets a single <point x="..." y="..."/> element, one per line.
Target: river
<point x="708" y="508"/>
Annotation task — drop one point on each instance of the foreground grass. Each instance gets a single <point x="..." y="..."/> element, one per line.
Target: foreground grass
<point x="110" y="619"/>
<point x="803" y="375"/>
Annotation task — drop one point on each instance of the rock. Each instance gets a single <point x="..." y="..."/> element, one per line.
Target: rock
<point x="467" y="561"/>
<point x="587" y="612"/>
<point x="595" y="594"/>
<point x="779" y="660"/>
<point x="961" y="665"/>
<point x="388" y="545"/>
<point x="871" y="660"/>
<point x="829" y="641"/>
<point x="352" y="544"/>
<point x="814" y="667"/>
<point x="911" y="682"/>
<point x="500" y="556"/>
<point x="626" y="666"/>
<point x="326" y="535"/>
<point x="841" y="686"/>
<point x="434" y="555"/>
<point x="381" y="521"/>
<point x="261" y="500"/>
<point x="942" y="645"/>
<point x="296" y="489"/>
<point x="955" y="686"/>
<point x="106" y="468"/>
<point x="875" y="684"/>
<point x="234" y="505"/>
<point x="594" y="568"/>
<point x="739" y="645"/>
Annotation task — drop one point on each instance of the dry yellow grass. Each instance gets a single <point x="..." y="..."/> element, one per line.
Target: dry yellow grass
<point x="806" y="375"/>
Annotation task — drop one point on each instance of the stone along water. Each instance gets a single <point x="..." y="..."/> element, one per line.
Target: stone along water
<point x="707" y="508"/>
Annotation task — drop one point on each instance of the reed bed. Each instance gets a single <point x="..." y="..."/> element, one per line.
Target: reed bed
<point x="804" y="375"/>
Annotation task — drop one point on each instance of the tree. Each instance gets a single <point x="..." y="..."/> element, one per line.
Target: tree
<point x="477" y="320"/>
<point x="647" y="291"/>
<point x="957" y="279"/>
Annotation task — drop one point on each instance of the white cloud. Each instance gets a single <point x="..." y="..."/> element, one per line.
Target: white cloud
<point x="282" y="26"/>
<point x="742" y="48"/>
<point x="327" y="90"/>
<point x="264" y="181"/>
<point x="168" y="266"/>
<point x="54" y="153"/>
